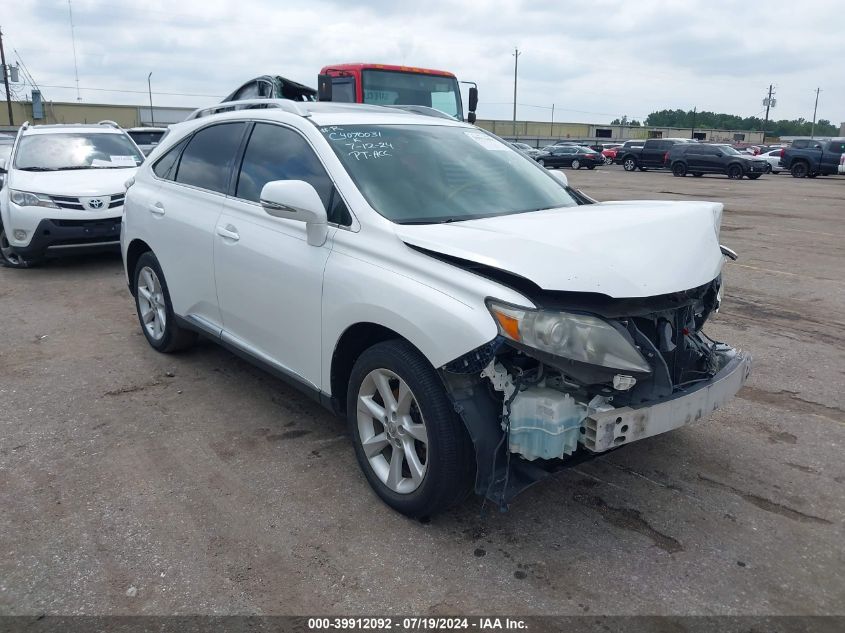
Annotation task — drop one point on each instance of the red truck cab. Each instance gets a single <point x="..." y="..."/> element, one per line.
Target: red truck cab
<point x="384" y="84"/>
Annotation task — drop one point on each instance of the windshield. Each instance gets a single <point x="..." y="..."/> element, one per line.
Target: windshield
<point x="424" y="174"/>
<point x="79" y="150"/>
<point x="383" y="87"/>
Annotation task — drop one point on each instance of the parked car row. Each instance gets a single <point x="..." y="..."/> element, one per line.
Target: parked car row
<point x="804" y="158"/>
<point x="476" y="327"/>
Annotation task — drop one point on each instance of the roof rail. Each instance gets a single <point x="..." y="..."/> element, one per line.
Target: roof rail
<point x="250" y="104"/>
<point x="25" y="125"/>
<point x="422" y="110"/>
<point x="108" y="122"/>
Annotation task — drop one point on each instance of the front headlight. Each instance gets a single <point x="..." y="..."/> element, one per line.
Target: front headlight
<point x="578" y="337"/>
<point x="26" y="199"/>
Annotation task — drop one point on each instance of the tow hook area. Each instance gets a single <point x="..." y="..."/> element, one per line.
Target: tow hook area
<point x="526" y="424"/>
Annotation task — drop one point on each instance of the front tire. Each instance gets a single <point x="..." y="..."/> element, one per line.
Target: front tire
<point x="412" y="447"/>
<point x="8" y="257"/>
<point x="698" y="174"/>
<point x="735" y="172"/>
<point x="679" y="170"/>
<point x="753" y="176"/>
<point x="155" y="310"/>
<point x="575" y="164"/>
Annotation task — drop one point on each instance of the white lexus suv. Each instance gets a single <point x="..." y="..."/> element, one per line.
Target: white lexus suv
<point x="477" y="328"/>
<point x="63" y="191"/>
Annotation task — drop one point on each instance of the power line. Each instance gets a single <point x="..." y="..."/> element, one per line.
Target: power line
<point x="140" y="92"/>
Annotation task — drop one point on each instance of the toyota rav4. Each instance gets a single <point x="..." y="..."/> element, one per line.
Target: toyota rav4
<point x="63" y="193"/>
<point x="476" y="327"/>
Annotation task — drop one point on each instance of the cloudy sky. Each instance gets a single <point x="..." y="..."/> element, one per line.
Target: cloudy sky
<point x="594" y="60"/>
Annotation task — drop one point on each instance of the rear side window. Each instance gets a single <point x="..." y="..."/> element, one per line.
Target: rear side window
<point x="165" y="167"/>
<point x="837" y="147"/>
<point x="207" y="160"/>
<point x="278" y="153"/>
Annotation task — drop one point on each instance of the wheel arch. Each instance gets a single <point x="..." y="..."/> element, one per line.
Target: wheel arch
<point x="137" y="247"/>
<point x="354" y="341"/>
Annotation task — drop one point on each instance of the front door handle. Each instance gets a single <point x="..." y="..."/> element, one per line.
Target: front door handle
<point x="156" y="209"/>
<point x="228" y="232"/>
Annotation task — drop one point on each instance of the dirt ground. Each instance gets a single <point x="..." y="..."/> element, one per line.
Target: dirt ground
<point x="137" y="483"/>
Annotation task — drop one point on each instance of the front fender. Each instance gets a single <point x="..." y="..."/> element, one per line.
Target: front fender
<point x="442" y="327"/>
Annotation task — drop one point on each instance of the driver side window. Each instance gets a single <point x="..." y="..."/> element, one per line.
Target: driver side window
<point x="278" y="153"/>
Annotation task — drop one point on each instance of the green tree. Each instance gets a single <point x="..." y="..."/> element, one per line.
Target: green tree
<point x="706" y="119"/>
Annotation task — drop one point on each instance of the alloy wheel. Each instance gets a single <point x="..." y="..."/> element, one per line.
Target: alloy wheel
<point x="151" y="303"/>
<point x="392" y="431"/>
<point x="576" y="164"/>
<point x="6" y="249"/>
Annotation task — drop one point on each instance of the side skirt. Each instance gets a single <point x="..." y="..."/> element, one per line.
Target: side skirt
<point x="205" y="329"/>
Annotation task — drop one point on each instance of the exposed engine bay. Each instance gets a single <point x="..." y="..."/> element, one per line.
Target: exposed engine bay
<point x="551" y="410"/>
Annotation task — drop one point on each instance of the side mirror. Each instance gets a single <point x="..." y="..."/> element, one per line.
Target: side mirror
<point x="297" y="200"/>
<point x="471" y="118"/>
<point x="473" y="99"/>
<point x="560" y="176"/>
<point x="324" y="87"/>
<point x="2" y="165"/>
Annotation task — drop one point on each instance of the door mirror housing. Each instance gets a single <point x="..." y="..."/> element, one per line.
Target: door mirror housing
<point x="473" y="99"/>
<point x="297" y="200"/>
<point x="471" y="118"/>
<point x="2" y="165"/>
<point x="324" y="87"/>
<point x="560" y="176"/>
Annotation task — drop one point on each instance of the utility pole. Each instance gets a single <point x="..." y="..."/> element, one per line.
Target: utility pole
<point x="694" y="111"/>
<point x="769" y="103"/>
<point x="552" y="130"/>
<point x="815" y="108"/>
<point x="73" y="41"/>
<point x="6" y="80"/>
<point x="150" y="91"/>
<point x="516" y="55"/>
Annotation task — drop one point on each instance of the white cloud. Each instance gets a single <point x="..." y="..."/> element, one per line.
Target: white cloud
<point x="594" y="61"/>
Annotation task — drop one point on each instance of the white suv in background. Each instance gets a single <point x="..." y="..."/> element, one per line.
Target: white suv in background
<point x="438" y="288"/>
<point x="63" y="191"/>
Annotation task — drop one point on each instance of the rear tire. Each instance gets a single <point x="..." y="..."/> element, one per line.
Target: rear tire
<point x="768" y="168"/>
<point x="541" y="163"/>
<point x="155" y="310"/>
<point x="575" y="164"/>
<point x="629" y="164"/>
<point x="608" y="160"/>
<point x="800" y="170"/>
<point x="433" y="473"/>
<point x="679" y="170"/>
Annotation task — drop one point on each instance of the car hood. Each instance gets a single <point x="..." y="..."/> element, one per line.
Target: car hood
<point x="619" y="249"/>
<point x="74" y="182"/>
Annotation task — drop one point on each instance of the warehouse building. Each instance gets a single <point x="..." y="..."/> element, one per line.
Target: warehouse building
<point x="534" y="133"/>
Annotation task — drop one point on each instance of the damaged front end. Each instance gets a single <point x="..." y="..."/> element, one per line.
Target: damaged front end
<point x="583" y="374"/>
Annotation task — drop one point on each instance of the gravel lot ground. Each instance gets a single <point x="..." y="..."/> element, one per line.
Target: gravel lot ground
<point x="137" y="483"/>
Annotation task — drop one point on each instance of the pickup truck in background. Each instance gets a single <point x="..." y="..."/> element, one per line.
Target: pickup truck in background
<point x="652" y="155"/>
<point x="808" y="158"/>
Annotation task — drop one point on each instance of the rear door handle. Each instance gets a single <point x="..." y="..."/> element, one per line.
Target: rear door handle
<point x="156" y="209"/>
<point x="228" y="232"/>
